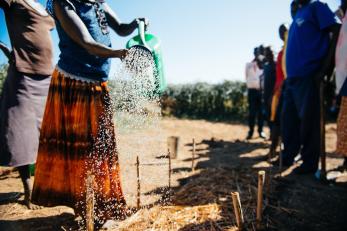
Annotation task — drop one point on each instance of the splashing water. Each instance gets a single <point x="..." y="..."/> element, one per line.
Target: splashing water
<point x="137" y="114"/>
<point x="133" y="92"/>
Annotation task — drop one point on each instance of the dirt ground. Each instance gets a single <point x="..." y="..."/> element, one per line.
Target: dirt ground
<point x="292" y="202"/>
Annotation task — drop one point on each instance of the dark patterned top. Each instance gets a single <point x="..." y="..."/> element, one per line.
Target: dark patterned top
<point x="74" y="59"/>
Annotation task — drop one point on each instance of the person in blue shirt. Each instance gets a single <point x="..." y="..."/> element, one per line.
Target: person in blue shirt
<point x="309" y="51"/>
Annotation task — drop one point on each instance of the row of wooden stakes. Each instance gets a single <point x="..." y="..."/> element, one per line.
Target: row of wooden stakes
<point x="235" y="195"/>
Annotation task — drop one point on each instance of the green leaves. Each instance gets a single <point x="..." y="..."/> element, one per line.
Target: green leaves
<point x="225" y="101"/>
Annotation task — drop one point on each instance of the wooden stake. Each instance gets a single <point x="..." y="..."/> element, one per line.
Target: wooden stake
<point x="261" y="179"/>
<point x="138" y="203"/>
<point x="170" y="169"/>
<point x="193" y="155"/>
<point x="238" y="209"/>
<point x="90" y="202"/>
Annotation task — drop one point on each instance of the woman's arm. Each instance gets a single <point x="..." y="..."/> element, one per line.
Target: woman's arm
<point x="328" y="63"/>
<point x="6" y="50"/>
<point x="122" y="29"/>
<point x="78" y="32"/>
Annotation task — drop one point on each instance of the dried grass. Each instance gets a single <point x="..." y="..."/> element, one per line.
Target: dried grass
<point x="204" y="203"/>
<point x="205" y="217"/>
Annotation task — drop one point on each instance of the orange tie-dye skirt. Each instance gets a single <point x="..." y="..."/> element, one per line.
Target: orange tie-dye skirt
<point x="78" y="138"/>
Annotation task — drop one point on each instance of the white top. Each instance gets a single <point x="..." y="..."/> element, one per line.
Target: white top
<point x="341" y="56"/>
<point x="253" y="75"/>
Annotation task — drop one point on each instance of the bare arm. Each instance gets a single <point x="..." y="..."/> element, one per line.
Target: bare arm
<point x="78" y="32"/>
<point x="6" y="50"/>
<point x="122" y="29"/>
<point x="328" y="63"/>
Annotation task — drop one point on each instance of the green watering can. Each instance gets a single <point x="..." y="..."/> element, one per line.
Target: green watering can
<point x="152" y="43"/>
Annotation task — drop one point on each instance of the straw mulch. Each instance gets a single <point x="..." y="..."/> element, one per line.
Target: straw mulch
<point x="203" y="203"/>
<point x="201" y="218"/>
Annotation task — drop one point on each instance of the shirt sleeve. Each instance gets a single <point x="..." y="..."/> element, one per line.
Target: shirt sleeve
<point x="50" y="6"/>
<point x="325" y="17"/>
<point x="5" y="4"/>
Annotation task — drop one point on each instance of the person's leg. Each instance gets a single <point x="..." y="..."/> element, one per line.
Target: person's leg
<point x="24" y="172"/>
<point x="290" y="128"/>
<point x="310" y="136"/>
<point x="260" y="114"/>
<point x="252" y="111"/>
<point x="267" y="113"/>
<point x="307" y="99"/>
<point x="276" y="130"/>
<point x="275" y="137"/>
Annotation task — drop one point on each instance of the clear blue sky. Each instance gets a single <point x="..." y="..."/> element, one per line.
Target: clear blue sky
<point x="202" y="40"/>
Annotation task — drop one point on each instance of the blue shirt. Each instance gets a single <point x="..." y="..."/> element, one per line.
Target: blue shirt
<point x="308" y="39"/>
<point x="73" y="58"/>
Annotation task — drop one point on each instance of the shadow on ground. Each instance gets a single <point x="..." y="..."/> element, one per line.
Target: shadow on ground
<point x="53" y="223"/>
<point x="290" y="203"/>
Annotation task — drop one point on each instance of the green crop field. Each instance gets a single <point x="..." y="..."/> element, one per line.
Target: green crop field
<point x="224" y="101"/>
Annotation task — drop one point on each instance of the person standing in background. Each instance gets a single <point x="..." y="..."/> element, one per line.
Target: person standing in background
<point x="275" y="103"/>
<point x="25" y="90"/>
<point x="309" y="45"/>
<point x="253" y="81"/>
<point x="281" y="75"/>
<point x="269" y="83"/>
<point x="341" y="85"/>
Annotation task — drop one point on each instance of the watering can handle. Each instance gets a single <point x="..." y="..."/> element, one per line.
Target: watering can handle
<point x="142" y="35"/>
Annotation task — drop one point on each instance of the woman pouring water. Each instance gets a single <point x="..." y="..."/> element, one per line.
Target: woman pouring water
<point x="77" y="136"/>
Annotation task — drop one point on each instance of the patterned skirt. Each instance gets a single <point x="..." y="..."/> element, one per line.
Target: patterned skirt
<point x="342" y="128"/>
<point x="77" y="139"/>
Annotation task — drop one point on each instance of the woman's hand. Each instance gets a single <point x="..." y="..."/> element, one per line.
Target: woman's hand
<point x="145" y="20"/>
<point x="121" y="54"/>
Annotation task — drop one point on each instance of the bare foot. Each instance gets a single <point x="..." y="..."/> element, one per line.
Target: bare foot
<point x="24" y="172"/>
<point x="30" y="205"/>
